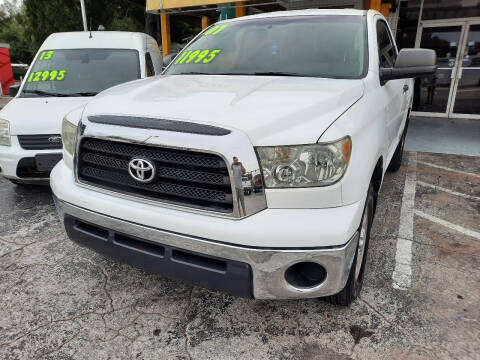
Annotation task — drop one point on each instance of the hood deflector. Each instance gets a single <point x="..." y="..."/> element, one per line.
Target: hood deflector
<point x="159" y="124"/>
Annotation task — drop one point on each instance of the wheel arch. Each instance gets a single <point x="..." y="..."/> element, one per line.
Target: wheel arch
<point x="376" y="180"/>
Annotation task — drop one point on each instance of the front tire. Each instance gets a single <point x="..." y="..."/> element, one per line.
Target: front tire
<point x="355" y="279"/>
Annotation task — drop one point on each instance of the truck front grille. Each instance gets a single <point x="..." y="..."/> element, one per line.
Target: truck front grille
<point x="187" y="178"/>
<point x="40" y="142"/>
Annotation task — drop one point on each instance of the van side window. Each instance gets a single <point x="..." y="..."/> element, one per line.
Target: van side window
<point x="149" y="69"/>
<point x="387" y="54"/>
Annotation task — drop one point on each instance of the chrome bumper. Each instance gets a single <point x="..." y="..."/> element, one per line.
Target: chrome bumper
<point x="268" y="265"/>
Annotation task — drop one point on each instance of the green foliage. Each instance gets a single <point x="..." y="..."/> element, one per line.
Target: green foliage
<point x="182" y="31"/>
<point x="12" y="31"/>
<point x="25" y="27"/>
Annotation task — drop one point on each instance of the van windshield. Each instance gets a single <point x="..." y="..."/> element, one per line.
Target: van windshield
<point x="80" y="72"/>
<point x="319" y="46"/>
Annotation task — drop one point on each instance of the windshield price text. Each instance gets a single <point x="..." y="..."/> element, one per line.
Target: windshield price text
<point x="47" y="55"/>
<point x="47" y="75"/>
<point x="196" y="56"/>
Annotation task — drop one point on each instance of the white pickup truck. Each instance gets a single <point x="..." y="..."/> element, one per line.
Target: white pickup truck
<point x="316" y="101"/>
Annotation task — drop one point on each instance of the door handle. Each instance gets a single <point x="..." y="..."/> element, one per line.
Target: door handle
<point x="405" y="88"/>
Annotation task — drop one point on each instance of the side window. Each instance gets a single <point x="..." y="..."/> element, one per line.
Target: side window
<point x="149" y="69"/>
<point x="387" y="53"/>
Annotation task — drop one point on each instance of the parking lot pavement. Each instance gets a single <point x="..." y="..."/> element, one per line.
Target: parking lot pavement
<point x="4" y="101"/>
<point x="419" y="301"/>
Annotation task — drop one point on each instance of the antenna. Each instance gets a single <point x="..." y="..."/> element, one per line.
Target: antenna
<point x="84" y="16"/>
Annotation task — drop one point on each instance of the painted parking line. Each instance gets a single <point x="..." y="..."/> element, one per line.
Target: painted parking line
<point x="402" y="274"/>
<point x="448" y="169"/>
<point x="449" y="225"/>
<point x="466" y="196"/>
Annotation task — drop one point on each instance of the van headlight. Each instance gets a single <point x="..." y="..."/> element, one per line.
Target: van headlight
<point x="5" y="133"/>
<point x="69" y="132"/>
<point x="305" y="165"/>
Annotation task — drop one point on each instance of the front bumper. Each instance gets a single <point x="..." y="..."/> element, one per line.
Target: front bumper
<point x="14" y="157"/>
<point x="240" y="270"/>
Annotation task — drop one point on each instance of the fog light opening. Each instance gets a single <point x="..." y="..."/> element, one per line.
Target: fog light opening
<point x="305" y="275"/>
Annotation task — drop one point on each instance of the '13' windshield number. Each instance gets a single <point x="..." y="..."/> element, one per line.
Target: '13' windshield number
<point x="196" y="56"/>
<point x="47" y="75"/>
<point x="47" y="55"/>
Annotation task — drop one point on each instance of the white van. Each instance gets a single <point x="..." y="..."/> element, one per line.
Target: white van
<point x="67" y="71"/>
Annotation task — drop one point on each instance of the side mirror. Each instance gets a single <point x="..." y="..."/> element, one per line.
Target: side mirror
<point x="411" y="63"/>
<point x="13" y="90"/>
<point x="167" y="59"/>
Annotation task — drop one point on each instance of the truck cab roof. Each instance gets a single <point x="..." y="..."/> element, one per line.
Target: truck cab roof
<point x="307" y="12"/>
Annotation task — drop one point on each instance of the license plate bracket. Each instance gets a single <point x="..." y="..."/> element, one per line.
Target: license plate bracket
<point x="46" y="162"/>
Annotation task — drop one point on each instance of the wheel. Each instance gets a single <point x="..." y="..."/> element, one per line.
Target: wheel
<point x="396" y="161"/>
<point x="355" y="279"/>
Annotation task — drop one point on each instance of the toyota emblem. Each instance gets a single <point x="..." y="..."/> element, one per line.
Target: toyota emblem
<point x="141" y="170"/>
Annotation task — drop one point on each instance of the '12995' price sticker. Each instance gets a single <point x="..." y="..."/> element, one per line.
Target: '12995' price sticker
<point x="47" y="75"/>
<point x="198" y="56"/>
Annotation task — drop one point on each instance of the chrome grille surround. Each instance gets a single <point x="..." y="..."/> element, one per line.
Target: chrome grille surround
<point x="236" y="143"/>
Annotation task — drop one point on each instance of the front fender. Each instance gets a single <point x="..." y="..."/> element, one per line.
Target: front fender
<point x="365" y="124"/>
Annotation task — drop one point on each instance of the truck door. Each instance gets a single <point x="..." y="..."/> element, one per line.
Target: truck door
<point x="396" y="91"/>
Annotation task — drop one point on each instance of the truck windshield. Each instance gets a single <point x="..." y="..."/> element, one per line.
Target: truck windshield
<point x="80" y="72"/>
<point x="318" y="46"/>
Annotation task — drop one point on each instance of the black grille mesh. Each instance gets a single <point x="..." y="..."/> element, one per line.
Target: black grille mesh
<point x="182" y="177"/>
<point x="40" y="142"/>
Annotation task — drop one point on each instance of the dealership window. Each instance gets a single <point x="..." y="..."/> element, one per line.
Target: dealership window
<point x="447" y="9"/>
<point x="407" y="23"/>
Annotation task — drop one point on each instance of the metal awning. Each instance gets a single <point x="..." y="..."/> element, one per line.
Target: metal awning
<point x="157" y="5"/>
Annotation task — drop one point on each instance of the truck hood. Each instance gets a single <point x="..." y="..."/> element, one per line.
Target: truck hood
<point x="31" y="116"/>
<point x="270" y="110"/>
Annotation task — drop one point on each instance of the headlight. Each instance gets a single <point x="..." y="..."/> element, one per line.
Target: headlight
<point x="69" y="132"/>
<point x="305" y="165"/>
<point x="4" y="133"/>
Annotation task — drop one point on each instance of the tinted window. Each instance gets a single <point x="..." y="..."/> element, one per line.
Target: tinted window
<point x="75" y="71"/>
<point x="320" y="46"/>
<point x="386" y="50"/>
<point x="150" y="70"/>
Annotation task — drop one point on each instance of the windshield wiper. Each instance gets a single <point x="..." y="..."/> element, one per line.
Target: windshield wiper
<point x="257" y="73"/>
<point x="45" y="93"/>
<point x="276" y="73"/>
<point x="193" y="73"/>
<point x="86" y="93"/>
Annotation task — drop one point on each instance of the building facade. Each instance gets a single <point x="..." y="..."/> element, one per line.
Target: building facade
<point x="452" y="29"/>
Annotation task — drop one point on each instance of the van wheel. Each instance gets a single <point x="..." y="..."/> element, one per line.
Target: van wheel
<point x="396" y="161"/>
<point x="355" y="279"/>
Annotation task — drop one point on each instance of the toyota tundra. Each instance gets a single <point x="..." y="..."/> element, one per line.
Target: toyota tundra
<point x="316" y="102"/>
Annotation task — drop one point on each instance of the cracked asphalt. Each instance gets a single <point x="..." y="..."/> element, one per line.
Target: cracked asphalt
<point x="61" y="301"/>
